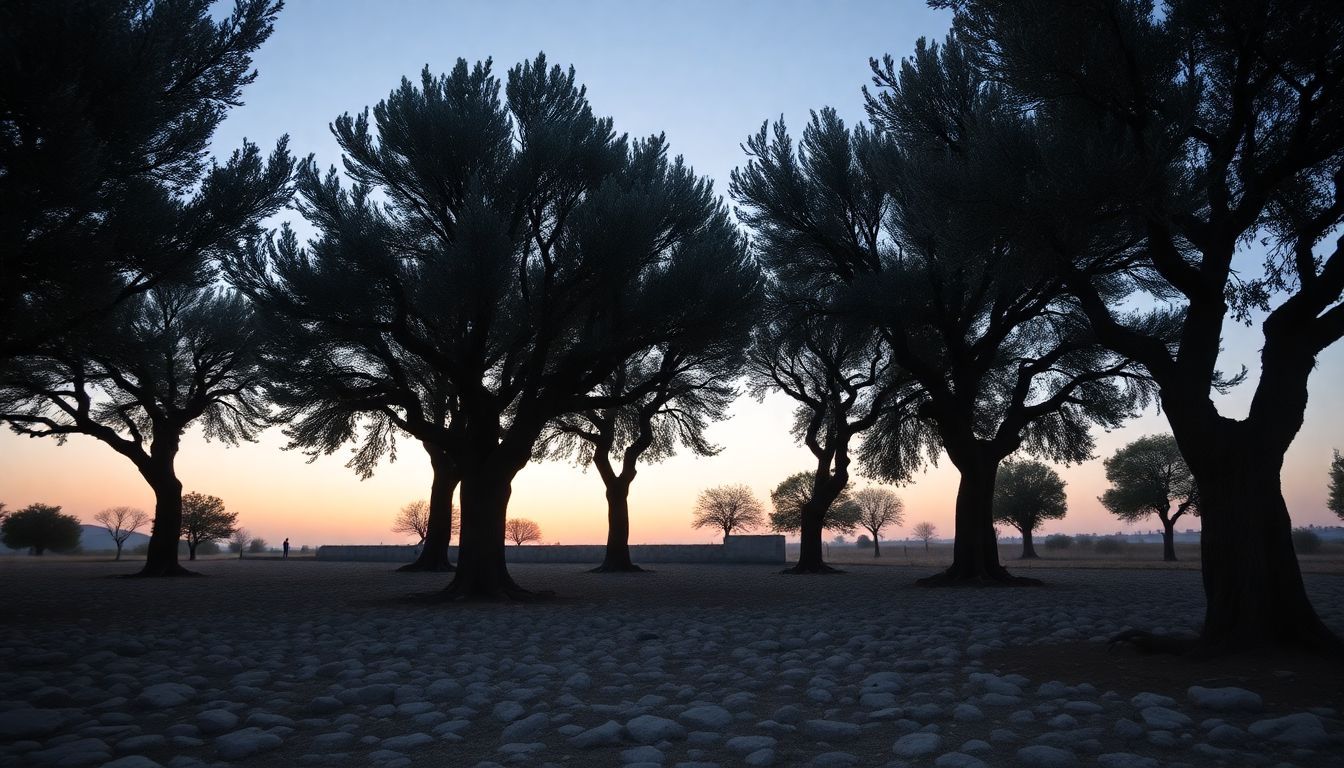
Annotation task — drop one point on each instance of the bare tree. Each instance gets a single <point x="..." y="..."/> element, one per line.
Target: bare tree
<point x="520" y="530"/>
<point x="239" y="540"/>
<point x="925" y="532"/>
<point x="121" y="522"/>
<point x="413" y="520"/>
<point x="730" y="507"/>
<point x="878" y="508"/>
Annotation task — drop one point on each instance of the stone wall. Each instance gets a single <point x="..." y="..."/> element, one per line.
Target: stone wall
<point x="735" y="549"/>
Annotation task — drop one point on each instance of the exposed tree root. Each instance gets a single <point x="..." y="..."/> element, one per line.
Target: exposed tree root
<point x="820" y="569"/>
<point x="619" y="568"/>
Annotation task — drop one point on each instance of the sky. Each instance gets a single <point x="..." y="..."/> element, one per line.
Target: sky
<point x="705" y="73"/>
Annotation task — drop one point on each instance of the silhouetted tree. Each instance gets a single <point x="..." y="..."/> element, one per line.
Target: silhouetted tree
<point x="121" y="522"/>
<point x="105" y="192"/>
<point x="925" y="533"/>
<point x="878" y="508"/>
<point x="257" y="545"/>
<point x="521" y="530"/>
<point x="1335" y="501"/>
<point x="166" y="359"/>
<point x="728" y="507"/>
<point x="1203" y="128"/>
<point x="40" y="527"/>
<point x="204" y="519"/>
<point x="239" y="540"/>
<point x="4" y="513"/>
<point x="686" y="386"/>
<point x="1026" y="494"/>
<point x="958" y="291"/>
<point x="791" y="497"/>
<point x="338" y="376"/>
<point x="1147" y="477"/>
<point x="520" y="252"/>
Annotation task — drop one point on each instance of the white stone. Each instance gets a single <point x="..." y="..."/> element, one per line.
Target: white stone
<point x="707" y="716"/>
<point x="213" y="721"/>
<point x="1300" y="730"/>
<point x="407" y="741"/>
<point x="245" y="743"/>
<point x="1164" y="718"/>
<point x="526" y="728"/>
<point x="604" y="735"/>
<point x="1042" y="756"/>
<point x="830" y="730"/>
<point x="165" y="695"/>
<point x="1228" y="699"/>
<point x="643" y="754"/>
<point x="747" y="744"/>
<point x="651" y="729"/>
<point x="508" y="711"/>
<point x="917" y="744"/>
<point x="959" y="760"/>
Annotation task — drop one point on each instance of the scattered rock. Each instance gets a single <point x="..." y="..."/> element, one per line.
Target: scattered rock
<point x="1227" y="699"/>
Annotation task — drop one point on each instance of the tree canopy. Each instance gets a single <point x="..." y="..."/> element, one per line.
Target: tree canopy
<point x="794" y="492"/>
<point x="40" y="527"/>
<point x="204" y="519"/>
<point x="1335" y="500"/>
<point x="728" y="508"/>
<point x="1147" y="477"/>
<point x="520" y="530"/>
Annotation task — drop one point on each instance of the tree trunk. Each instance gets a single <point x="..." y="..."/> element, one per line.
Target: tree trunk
<point x="439" y="528"/>
<point x="166" y="530"/>
<point x="810" y="548"/>
<point x="191" y="550"/>
<point x="1169" y="540"/>
<point x="877" y="551"/>
<point x="482" y="573"/>
<point x="1252" y="582"/>
<point x="118" y="557"/>
<point x="1028" y="548"/>
<point x="616" y="559"/>
<point x="975" y="550"/>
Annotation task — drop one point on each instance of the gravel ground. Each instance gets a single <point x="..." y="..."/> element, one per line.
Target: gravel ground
<point x="333" y="664"/>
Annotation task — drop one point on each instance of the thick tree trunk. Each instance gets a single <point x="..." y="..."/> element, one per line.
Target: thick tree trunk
<point x="166" y="530"/>
<point x="616" y="559"/>
<point x="482" y="573"/>
<point x="975" y="548"/>
<point x="1252" y="582"/>
<point x="1028" y="548"/>
<point x="439" y="529"/>
<point x="1168" y="540"/>
<point x="810" y="548"/>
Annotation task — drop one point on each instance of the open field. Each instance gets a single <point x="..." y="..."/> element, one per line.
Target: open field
<point x="273" y="663"/>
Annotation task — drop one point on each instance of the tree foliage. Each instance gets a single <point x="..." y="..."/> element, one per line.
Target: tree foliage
<point x="1147" y="477"/>
<point x="793" y="493"/>
<point x="1028" y="493"/>
<point x="40" y="527"/>
<point x="520" y="530"/>
<point x="121" y="522"/>
<point x="204" y="519"/>
<point x="729" y="508"/>
<point x="105" y="189"/>
<point x="1335" y="501"/>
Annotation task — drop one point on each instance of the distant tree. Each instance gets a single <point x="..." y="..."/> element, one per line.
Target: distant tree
<point x="507" y="242"/>
<point x="1147" y="477"/>
<point x="1335" y="502"/>
<point x="256" y="545"/>
<point x="862" y="541"/>
<point x="728" y="507"/>
<point x="40" y="527"/>
<point x="878" y="508"/>
<point x="121" y="522"/>
<point x="520" y="530"/>
<point x="413" y="520"/>
<point x="4" y="513"/>
<point x="204" y="519"/>
<point x="1058" y="541"/>
<point x="925" y="533"/>
<point x="239" y="540"/>
<point x="105" y="192"/>
<point x="793" y="494"/>
<point x="1026" y="494"/>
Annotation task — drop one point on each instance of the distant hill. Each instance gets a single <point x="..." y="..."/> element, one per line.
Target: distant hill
<point x="95" y="538"/>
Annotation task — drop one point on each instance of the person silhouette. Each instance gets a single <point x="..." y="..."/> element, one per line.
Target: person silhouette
<point x="285" y="556"/>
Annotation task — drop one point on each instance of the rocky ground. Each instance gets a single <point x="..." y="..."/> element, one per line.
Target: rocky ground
<point x="282" y="663"/>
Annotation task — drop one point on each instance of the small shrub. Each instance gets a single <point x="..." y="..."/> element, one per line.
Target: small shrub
<point x="1110" y="545"/>
<point x="1083" y="540"/>
<point x="1306" y="542"/>
<point x="1058" y="541"/>
<point x="863" y="541"/>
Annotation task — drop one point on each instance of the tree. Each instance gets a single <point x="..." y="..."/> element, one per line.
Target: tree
<point x="1205" y="129"/>
<point x="40" y="527"/>
<point x="204" y="519"/>
<point x="239" y="540"/>
<point x="520" y="530"/>
<point x="878" y="508"/>
<point x="728" y="507"/>
<point x="104" y="188"/>
<point x="876" y="223"/>
<point x="925" y="533"/>
<point x="791" y="497"/>
<point x="1335" y="503"/>
<point x="520" y="257"/>
<point x="413" y="520"/>
<point x="687" y="385"/>
<point x="4" y="513"/>
<point x="121" y="522"/>
<point x="168" y="358"/>
<point x="257" y="545"/>
<point x="1147" y="477"/>
<point x="1026" y="494"/>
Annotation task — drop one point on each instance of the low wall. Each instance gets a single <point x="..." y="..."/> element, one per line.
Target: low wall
<point x="735" y="549"/>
